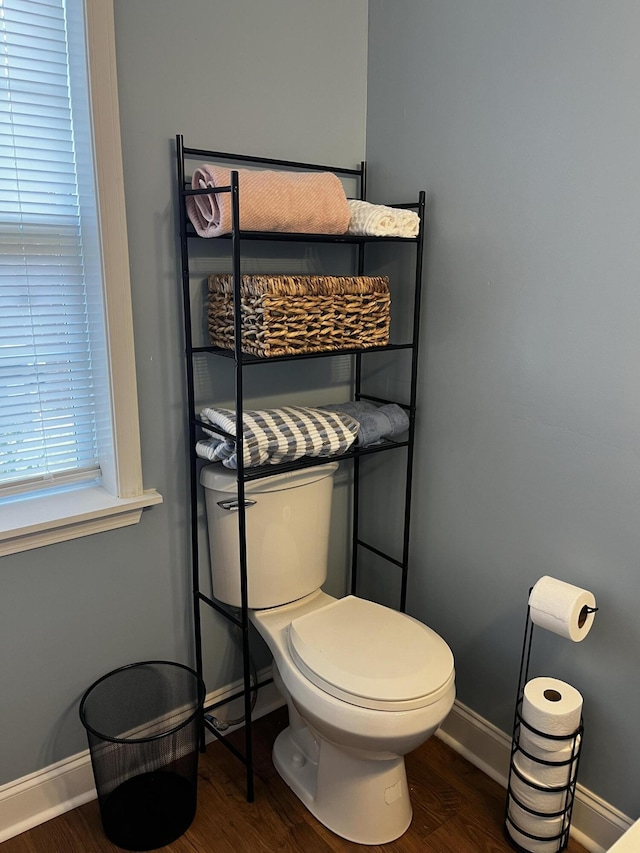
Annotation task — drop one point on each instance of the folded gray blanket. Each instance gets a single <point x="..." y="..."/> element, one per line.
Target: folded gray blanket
<point x="376" y="422"/>
<point x="271" y="436"/>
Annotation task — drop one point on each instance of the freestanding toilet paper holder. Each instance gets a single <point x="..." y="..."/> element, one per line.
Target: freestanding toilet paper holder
<point x="556" y="823"/>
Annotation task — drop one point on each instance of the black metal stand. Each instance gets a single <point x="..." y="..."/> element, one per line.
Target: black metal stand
<point x="237" y="239"/>
<point x="558" y="819"/>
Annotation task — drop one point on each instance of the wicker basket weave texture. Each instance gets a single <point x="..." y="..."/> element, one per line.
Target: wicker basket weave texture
<point x="294" y="314"/>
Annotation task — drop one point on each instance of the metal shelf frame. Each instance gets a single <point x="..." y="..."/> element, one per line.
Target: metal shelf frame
<point x="238" y="239"/>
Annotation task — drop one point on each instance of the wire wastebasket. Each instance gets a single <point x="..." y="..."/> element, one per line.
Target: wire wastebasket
<point x="143" y="726"/>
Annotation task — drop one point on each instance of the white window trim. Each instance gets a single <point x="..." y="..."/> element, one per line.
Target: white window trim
<point x="120" y="499"/>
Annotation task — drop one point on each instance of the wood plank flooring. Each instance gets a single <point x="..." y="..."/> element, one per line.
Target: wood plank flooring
<point x="456" y="809"/>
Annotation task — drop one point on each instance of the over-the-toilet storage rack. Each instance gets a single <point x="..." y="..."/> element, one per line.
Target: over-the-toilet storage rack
<point x="237" y="241"/>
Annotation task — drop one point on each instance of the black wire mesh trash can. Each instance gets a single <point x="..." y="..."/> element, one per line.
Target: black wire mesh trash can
<point x="143" y="726"/>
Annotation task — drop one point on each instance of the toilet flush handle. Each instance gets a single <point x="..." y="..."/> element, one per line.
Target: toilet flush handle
<point x="233" y="504"/>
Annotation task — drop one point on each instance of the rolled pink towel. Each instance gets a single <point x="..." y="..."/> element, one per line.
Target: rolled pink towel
<point x="303" y="202"/>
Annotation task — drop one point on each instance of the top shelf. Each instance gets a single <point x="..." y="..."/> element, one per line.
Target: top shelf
<point x="234" y="160"/>
<point x="290" y="236"/>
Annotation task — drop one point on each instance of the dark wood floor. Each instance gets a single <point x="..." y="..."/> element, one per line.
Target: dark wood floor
<point x="456" y="809"/>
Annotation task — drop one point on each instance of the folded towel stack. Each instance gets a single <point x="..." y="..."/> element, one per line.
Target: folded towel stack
<point x="302" y="202"/>
<point x="376" y="422"/>
<point x="271" y="436"/>
<point x="377" y="220"/>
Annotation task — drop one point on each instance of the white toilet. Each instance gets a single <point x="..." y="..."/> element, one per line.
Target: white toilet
<point x="364" y="684"/>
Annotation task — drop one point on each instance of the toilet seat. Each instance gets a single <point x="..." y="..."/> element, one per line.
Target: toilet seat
<point x="371" y="656"/>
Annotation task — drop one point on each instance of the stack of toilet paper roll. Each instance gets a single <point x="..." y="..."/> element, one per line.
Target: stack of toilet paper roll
<point x="544" y="764"/>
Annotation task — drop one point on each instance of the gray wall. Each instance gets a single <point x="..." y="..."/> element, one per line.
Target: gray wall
<point x="522" y="121"/>
<point x="284" y="78"/>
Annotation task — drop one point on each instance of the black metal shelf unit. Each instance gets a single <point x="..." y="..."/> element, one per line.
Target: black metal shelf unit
<point x="237" y="240"/>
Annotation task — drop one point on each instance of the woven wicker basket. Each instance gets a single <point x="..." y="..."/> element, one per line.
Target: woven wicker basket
<point x="289" y="315"/>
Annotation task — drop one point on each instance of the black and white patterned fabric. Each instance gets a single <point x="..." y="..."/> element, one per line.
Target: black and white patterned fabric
<point x="271" y="436"/>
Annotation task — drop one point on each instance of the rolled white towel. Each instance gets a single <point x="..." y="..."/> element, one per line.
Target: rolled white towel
<point x="378" y="220"/>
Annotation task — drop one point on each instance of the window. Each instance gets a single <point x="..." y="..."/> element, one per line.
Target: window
<point x="69" y="445"/>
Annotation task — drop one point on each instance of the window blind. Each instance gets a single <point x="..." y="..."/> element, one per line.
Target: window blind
<point x="49" y="262"/>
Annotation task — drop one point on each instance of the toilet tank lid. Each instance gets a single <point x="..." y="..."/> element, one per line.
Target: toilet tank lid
<point x="371" y="655"/>
<point x="220" y="479"/>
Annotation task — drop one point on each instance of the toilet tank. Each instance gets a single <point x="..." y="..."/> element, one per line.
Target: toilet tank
<point x="287" y="526"/>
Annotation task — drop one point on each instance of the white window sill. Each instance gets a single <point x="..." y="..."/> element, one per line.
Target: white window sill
<point x="38" y="521"/>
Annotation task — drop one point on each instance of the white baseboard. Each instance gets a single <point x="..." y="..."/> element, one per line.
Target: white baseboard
<point x="45" y="794"/>
<point x="63" y="786"/>
<point x="595" y="824"/>
<point x="41" y="796"/>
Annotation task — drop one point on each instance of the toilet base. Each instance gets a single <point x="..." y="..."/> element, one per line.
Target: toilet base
<point x="362" y="800"/>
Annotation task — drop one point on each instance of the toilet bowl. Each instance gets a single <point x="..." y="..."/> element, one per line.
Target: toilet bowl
<point x="343" y="753"/>
<point x="364" y="684"/>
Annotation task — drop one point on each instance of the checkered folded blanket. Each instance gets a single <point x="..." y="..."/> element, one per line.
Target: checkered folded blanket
<point x="271" y="436"/>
